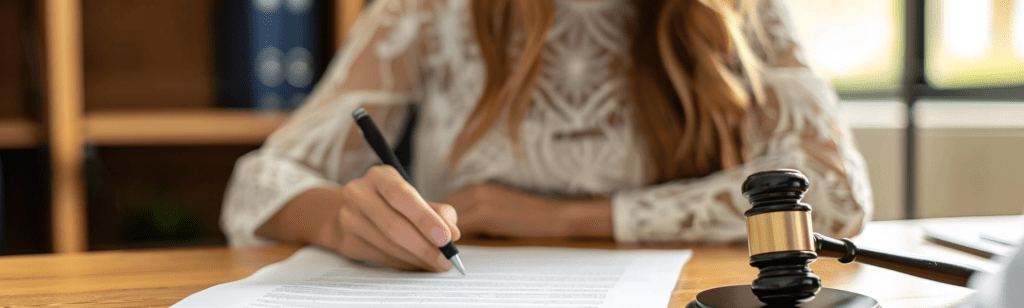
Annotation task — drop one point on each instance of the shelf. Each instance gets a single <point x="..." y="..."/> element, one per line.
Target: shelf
<point x="104" y="72"/>
<point x="18" y="133"/>
<point x="180" y="127"/>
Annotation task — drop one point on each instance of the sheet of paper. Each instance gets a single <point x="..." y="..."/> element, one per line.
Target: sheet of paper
<point x="496" y="277"/>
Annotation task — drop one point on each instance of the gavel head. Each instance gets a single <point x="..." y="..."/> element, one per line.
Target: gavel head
<point x="780" y="238"/>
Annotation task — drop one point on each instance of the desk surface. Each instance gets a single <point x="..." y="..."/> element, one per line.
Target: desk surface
<point x="163" y="277"/>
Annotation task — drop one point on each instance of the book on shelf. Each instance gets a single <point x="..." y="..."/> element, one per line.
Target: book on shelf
<point x="268" y="52"/>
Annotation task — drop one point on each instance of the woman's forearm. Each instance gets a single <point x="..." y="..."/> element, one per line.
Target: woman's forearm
<point x="310" y="218"/>
<point x="588" y="218"/>
<point x="503" y="211"/>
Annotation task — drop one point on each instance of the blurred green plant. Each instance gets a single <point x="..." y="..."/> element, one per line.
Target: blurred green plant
<point x="162" y="217"/>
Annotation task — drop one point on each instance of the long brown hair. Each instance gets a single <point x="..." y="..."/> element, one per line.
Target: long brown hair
<point x="688" y="101"/>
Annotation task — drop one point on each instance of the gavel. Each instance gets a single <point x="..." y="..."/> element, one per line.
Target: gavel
<point x="782" y="244"/>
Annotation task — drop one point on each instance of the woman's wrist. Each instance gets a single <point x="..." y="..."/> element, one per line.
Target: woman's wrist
<point x="309" y="218"/>
<point x="322" y="227"/>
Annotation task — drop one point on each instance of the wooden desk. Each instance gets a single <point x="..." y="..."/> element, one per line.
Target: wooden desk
<point x="163" y="277"/>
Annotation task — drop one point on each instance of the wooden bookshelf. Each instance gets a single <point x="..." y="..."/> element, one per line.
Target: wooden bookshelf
<point x="346" y="13"/>
<point x="72" y="123"/>
<point x="18" y="133"/>
<point x="64" y="71"/>
<point x="186" y="127"/>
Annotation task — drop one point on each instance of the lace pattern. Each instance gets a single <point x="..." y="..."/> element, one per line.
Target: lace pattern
<point x="577" y="140"/>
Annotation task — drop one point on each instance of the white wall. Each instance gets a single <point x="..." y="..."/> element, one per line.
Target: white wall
<point x="969" y="157"/>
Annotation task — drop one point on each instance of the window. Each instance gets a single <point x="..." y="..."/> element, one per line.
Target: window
<point x="954" y="54"/>
<point x="858" y="44"/>
<point x="974" y="43"/>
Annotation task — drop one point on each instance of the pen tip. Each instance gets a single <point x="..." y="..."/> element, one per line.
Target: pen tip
<point x="457" y="262"/>
<point x="359" y="113"/>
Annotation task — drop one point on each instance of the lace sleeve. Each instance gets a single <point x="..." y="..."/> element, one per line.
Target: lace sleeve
<point x="379" y="68"/>
<point x="796" y="128"/>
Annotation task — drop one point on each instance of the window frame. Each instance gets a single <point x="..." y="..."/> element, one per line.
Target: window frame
<point x="914" y="87"/>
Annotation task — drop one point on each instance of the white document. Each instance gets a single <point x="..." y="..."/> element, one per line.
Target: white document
<point x="495" y="277"/>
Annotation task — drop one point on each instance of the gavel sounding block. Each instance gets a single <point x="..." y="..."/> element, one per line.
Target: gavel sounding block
<point x="741" y="297"/>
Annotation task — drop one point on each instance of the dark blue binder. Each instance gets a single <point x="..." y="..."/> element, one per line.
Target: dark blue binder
<point x="268" y="52"/>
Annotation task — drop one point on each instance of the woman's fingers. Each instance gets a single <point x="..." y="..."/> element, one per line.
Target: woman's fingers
<point x="360" y="226"/>
<point x="402" y="197"/>
<point x="447" y="212"/>
<point x="463" y="200"/>
<point x="468" y="202"/>
<point x="359" y="249"/>
<point x="384" y="220"/>
<point x="474" y="221"/>
<point x="380" y="218"/>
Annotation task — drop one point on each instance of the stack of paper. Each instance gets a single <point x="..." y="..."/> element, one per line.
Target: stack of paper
<point x="496" y="277"/>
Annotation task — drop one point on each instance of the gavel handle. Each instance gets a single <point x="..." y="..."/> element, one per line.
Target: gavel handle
<point x="846" y="252"/>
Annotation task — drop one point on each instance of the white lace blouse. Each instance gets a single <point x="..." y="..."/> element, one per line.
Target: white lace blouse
<point x="577" y="140"/>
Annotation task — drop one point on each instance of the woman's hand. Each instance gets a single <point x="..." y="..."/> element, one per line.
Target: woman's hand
<point x="383" y="220"/>
<point x="497" y="210"/>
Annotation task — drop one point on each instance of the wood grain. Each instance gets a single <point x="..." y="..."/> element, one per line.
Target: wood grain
<point x="12" y="66"/>
<point x="152" y="54"/>
<point x="64" y="106"/>
<point x="347" y="13"/>
<point x="162" y="277"/>
<point x="181" y="127"/>
<point x="16" y="133"/>
<point x="143" y="278"/>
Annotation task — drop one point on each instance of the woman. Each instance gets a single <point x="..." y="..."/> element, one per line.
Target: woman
<point x="632" y="120"/>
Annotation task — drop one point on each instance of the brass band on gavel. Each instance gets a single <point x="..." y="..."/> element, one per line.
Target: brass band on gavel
<point x="780" y="231"/>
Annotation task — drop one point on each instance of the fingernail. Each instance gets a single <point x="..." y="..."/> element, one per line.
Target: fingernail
<point x="445" y="264"/>
<point x="440" y="236"/>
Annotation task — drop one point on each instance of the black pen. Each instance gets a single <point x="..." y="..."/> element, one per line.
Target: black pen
<point x="380" y="146"/>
